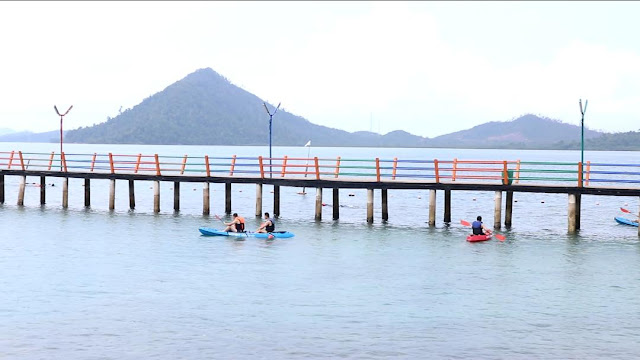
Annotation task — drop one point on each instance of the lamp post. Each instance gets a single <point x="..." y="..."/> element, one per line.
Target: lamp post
<point x="582" y="111"/>
<point x="61" y="117"/>
<point x="270" y="121"/>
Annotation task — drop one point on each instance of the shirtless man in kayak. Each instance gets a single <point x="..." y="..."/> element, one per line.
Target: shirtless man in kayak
<point x="478" y="227"/>
<point x="236" y="225"/>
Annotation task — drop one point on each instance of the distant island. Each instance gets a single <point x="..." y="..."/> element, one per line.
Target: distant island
<point x="204" y="108"/>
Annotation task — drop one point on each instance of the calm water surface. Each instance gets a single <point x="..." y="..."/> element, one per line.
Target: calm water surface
<point x="94" y="284"/>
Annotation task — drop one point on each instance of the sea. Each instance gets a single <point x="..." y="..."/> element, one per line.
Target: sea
<point x="90" y="283"/>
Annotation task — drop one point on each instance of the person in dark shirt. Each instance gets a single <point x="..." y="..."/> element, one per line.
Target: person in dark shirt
<point x="479" y="228"/>
<point x="268" y="225"/>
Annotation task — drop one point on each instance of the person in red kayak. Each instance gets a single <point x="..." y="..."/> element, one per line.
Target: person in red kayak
<point x="479" y="228"/>
<point x="236" y="225"/>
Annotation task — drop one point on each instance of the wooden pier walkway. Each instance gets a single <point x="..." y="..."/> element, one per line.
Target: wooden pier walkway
<point x="499" y="176"/>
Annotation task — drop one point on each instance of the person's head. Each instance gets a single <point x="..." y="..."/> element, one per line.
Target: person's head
<point x="266" y="215"/>
<point x="235" y="215"/>
<point x="479" y="218"/>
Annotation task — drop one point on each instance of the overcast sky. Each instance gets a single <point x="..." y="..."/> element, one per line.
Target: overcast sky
<point x="429" y="68"/>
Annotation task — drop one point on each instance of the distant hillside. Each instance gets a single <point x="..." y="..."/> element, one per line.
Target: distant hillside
<point x="629" y="141"/>
<point x="204" y="108"/>
<point x="28" y="136"/>
<point x="528" y="131"/>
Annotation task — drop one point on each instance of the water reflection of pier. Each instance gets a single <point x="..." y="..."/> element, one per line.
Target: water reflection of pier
<point x="500" y="176"/>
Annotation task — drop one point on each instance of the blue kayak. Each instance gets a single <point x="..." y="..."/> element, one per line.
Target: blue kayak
<point x="215" y="232"/>
<point x="626" y="221"/>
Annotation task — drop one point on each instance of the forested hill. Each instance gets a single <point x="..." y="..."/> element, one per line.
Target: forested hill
<point x="527" y="131"/>
<point x="204" y="108"/>
<point x="618" y="141"/>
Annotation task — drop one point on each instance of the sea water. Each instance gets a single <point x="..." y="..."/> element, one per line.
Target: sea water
<point x="89" y="283"/>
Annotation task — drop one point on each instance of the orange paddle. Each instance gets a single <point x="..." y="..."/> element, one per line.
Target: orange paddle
<point x="628" y="212"/>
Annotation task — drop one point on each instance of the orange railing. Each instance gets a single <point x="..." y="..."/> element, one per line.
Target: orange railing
<point x="373" y="169"/>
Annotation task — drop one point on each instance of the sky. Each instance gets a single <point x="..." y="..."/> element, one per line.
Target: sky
<point x="429" y="68"/>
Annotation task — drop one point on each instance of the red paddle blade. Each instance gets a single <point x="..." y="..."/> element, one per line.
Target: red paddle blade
<point x="625" y="210"/>
<point x="500" y="237"/>
<point x="465" y="223"/>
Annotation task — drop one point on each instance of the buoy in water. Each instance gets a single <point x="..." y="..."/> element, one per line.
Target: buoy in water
<point x="352" y="194"/>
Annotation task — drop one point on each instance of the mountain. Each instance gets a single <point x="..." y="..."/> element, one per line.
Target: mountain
<point x="527" y="131"/>
<point x="629" y="141"/>
<point x="204" y="108"/>
<point x="28" y="136"/>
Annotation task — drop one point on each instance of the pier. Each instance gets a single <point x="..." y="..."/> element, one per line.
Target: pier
<point x="502" y="177"/>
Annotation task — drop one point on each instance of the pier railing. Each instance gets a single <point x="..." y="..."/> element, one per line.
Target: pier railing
<point x="372" y="169"/>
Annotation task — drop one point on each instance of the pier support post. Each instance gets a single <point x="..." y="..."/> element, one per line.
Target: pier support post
<point x="497" y="211"/>
<point x="336" y="203"/>
<point x="1" y="189"/>
<point x="112" y="194"/>
<point x="258" y="200"/>
<point x="65" y="193"/>
<point x="206" y="201"/>
<point x="43" y="190"/>
<point x="87" y="192"/>
<point x="432" y="207"/>
<point x="638" y="210"/>
<point x="578" y="210"/>
<point x="227" y="198"/>
<point x="176" y="196"/>
<point x="369" y="206"/>
<point x="385" y="205"/>
<point x="156" y="196"/>
<point x="132" y="195"/>
<point x="318" y="216"/>
<point x="572" y="214"/>
<point x="508" y="209"/>
<point x="23" y="184"/>
<point x="447" y="206"/>
<point x="276" y="200"/>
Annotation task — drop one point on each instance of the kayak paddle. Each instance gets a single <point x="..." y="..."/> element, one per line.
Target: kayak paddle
<point x="225" y="224"/>
<point x="628" y="212"/>
<point x="498" y="236"/>
<point x="218" y="217"/>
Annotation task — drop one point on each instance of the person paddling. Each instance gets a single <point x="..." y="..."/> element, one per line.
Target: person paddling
<point x="478" y="227"/>
<point x="267" y="226"/>
<point x="236" y="225"/>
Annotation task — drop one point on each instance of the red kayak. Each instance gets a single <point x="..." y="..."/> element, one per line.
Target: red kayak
<point x="475" y="238"/>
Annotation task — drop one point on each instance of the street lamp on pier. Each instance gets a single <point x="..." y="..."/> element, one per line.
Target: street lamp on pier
<point x="582" y="111"/>
<point x="270" y="121"/>
<point x="61" y="117"/>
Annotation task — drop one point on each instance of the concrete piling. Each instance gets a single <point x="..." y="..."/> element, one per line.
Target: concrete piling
<point x="497" y="211"/>
<point x="432" y="207"/>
